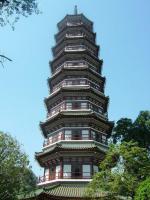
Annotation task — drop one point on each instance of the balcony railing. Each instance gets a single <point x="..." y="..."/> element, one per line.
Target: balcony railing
<point x="78" y="23"/>
<point x="76" y="105"/>
<point x="74" y="35"/>
<point x="76" y="48"/>
<point x="76" y="82"/>
<point x="65" y="175"/>
<point x="75" y="64"/>
<point x="75" y="134"/>
<point x="74" y="23"/>
<point x="60" y="137"/>
<point x="71" y="33"/>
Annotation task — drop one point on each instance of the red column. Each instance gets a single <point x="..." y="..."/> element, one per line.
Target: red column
<point x="61" y="168"/>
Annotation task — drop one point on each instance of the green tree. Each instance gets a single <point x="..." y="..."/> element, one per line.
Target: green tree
<point x="138" y="130"/>
<point x="143" y="191"/>
<point x="15" y="173"/>
<point x="124" y="167"/>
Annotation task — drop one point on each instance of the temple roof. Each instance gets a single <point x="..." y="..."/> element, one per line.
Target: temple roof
<point x="63" y="191"/>
<point x="68" y="190"/>
<point x="59" y="190"/>
<point x="74" y="145"/>
<point x="63" y="116"/>
<point x="80" y="18"/>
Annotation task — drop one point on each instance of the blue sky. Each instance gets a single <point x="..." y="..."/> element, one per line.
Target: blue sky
<point x="123" y="30"/>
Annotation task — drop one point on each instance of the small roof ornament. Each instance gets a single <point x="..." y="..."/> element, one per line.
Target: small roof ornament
<point x="75" y="10"/>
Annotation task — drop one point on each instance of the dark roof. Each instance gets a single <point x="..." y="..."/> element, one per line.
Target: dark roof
<point x="62" y="190"/>
<point x="64" y="72"/>
<point x="84" y="53"/>
<point x="70" y="39"/>
<point x="69" y="17"/>
<point x="79" y="26"/>
<point x="74" y="145"/>
<point x="87" y="114"/>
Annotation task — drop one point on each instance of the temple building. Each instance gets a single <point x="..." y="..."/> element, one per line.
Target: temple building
<point x="77" y="126"/>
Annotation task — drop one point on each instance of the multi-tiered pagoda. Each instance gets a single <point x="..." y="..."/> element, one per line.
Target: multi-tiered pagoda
<point x="77" y="127"/>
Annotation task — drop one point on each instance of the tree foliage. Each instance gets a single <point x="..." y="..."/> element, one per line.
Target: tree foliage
<point x="15" y="173"/>
<point x="10" y="10"/>
<point x="143" y="191"/>
<point x="124" y="167"/>
<point x="138" y="130"/>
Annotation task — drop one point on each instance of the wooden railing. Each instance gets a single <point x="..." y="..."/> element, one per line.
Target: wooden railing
<point x="76" y="48"/>
<point x="75" y="134"/>
<point x="65" y="175"/>
<point x="76" y="105"/>
<point x="60" y="137"/>
<point x="76" y="82"/>
<point x="75" y="64"/>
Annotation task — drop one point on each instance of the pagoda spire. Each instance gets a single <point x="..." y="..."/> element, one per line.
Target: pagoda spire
<point x="75" y="10"/>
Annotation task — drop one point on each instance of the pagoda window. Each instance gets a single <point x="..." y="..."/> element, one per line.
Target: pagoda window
<point x="82" y="82"/>
<point x="67" y="171"/>
<point x="67" y="134"/>
<point x="68" y="82"/>
<point x="95" y="169"/>
<point x="76" y="105"/>
<point x="76" y="134"/>
<point x="68" y="106"/>
<point x="85" y="134"/>
<point x="76" y="171"/>
<point x="84" y="105"/>
<point x="98" y="137"/>
<point x="57" y="172"/>
<point x="104" y="138"/>
<point x="86" y="171"/>
<point x="46" y="174"/>
<point x="93" y="134"/>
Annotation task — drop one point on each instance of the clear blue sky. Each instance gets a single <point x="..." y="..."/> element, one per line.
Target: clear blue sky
<point x="123" y="32"/>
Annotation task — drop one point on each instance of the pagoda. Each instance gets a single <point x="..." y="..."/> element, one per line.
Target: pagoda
<point x="77" y="127"/>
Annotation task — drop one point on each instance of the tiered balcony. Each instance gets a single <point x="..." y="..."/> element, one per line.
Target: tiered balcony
<point x="75" y="20"/>
<point x="76" y="105"/>
<point x="77" y="48"/>
<point x="74" y="23"/>
<point x="74" y="35"/>
<point x="73" y="32"/>
<point x="67" y="134"/>
<point x="75" y="64"/>
<point x="76" y="82"/>
<point x="66" y="175"/>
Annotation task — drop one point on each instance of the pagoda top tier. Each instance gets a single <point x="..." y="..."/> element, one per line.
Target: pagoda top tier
<point x="75" y="20"/>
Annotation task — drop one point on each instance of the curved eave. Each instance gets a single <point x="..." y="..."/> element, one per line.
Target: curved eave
<point x="63" y="114"/>
<point x="69" y="16"/>
<point x="86" y="52"/>
<point x="77" y="147"/>
<point x="63" y="70"/>
<point x="66" y="27"/>
<point x="69" y="89"/>
<point x="63" y="190"/>
<point x="89" y="89"/>
<point x="68" y="39"/>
